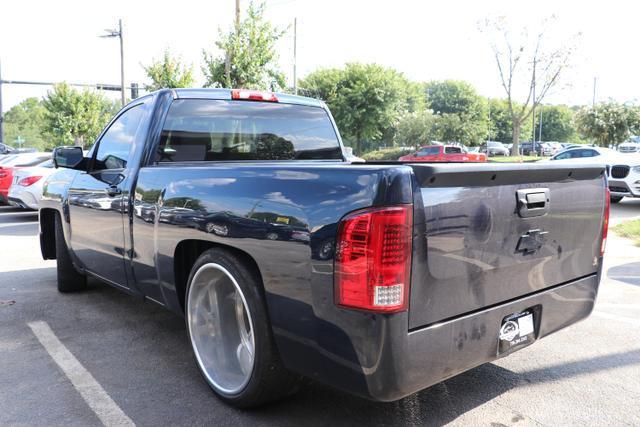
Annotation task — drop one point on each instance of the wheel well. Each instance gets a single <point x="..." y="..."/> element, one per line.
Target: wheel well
<point x="187" y="253"/>
<point x="48" y="233"/>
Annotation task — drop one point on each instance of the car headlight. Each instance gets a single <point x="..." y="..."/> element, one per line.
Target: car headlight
<point x="636" y="169"/>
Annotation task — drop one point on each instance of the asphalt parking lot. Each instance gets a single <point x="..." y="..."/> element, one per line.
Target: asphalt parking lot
<point x="138" y="353"/>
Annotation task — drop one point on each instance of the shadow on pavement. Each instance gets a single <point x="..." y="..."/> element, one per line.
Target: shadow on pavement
<point x="627" y="273"/>
<point x="140" y="354"/>
<point x="18" y="222"/>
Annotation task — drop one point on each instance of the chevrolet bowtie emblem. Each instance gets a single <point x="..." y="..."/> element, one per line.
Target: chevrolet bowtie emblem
<point x="531" y="241"/>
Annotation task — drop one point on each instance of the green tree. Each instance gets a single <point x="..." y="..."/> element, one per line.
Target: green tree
<point x="168" y="72"/>
<point x="74" y="117"/>
<point x="416" y="129"/>
<point x="608" y="123"/>
<point x="557" y="123"/>
<point x="462" y="109"/>
<point x="366" y="99"/>
<point x="249" y="58"/>
<point x="501" y="125"/>
<point x="24" y="121"/>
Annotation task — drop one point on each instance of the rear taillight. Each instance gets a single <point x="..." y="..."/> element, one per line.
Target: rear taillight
<point x="253" y="95"/>
<point x="373" y="259"/>
<point x="25" y="182"/>
<point x="605" y="223"/>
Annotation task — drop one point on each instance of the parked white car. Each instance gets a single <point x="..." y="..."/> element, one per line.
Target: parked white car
<point x="26" y="188"/>
<point x="629" y="147"/>
<point x="623" y="170"/>
<point x="624" y="177"/>
<point x="585" y="154"/>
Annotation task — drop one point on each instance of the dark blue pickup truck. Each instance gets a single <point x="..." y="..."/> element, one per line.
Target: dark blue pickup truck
<point x="238" y="210"/>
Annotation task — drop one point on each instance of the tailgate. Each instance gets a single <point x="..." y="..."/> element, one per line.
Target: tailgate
<point x="477" y="245"/>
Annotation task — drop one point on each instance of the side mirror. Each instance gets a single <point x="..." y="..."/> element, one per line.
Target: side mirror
<point x="67" y="157"/>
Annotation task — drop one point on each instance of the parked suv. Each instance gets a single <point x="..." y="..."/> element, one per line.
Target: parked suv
<point x="5" y="149"/>
<point x="494" y="148"/>
<point x="541" y="149"/>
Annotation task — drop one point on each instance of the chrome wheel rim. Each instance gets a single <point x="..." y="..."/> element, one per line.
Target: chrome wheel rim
<point x="220" y="329"/>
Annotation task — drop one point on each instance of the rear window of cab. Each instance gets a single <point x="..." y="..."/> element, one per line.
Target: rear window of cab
<point x="215" y="130"/>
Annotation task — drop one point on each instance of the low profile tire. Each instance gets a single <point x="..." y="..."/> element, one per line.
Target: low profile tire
<point x="616" y="199"/>
<point x="230" y="333"/>
<point x="69" y="279"/>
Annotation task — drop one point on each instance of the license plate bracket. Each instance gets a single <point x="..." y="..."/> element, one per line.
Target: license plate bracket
<point x="518" y="330"/>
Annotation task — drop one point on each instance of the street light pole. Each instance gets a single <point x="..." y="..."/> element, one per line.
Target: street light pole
<point x="118" y="33"/>
<point x="121" y="61"/>
<point x="295" y="55"/>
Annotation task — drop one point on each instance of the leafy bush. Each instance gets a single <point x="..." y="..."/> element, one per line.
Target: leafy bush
<point x="386" y="154"/>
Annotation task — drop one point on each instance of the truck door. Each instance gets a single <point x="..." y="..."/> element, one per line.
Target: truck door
<point x="97" y="199"/>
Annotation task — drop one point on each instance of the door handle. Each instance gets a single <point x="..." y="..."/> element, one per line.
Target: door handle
<point x="113" y="190"/>
<point x="533" y="202"/>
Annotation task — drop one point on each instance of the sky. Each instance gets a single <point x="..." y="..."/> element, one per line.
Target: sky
<point x="425" y="40"/>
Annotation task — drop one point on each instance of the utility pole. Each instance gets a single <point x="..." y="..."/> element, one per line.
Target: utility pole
<point x="295" y="55"/>
<point x="118" y="33"/>
<point x="121" y="62"/>
<point x="533" y="112"/>
<point x="227" y="55"/>
<point x="593" y="100"/>
<point x="1" y="113"/>
<point x="540" y="125"/>
<point x="237" y="16"/>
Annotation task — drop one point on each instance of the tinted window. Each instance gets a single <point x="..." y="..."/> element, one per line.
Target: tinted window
<point x="452" y="150"/>
<point x="589" y="153"/>
<point x="116" y="143"/>
<point x="428" y="151"/>
<point x="562" y="156"/>
<point x="210" y="130"/>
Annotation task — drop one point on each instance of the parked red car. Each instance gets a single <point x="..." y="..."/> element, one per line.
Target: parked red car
<point x="19" y="160"/>
<point x="443" y="153"/>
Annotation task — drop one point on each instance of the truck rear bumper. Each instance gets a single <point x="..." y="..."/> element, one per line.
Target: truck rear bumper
<point x="440" y="351"/>
<point x="402" y="362"/>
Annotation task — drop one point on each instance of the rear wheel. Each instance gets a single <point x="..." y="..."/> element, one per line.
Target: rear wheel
<point x="230" y="332"/>
<point x="69" y="279"/>
<point x="616" y="199"/>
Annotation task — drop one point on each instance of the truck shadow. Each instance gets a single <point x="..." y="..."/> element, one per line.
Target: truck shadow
<point x="154" y="379"/>
<point x="437" y="405"/>
<point x="627" y="273"/>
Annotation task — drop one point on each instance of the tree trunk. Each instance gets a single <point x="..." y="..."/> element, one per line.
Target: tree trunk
<point x="516" y="138"/>
<point x="79" y="141"/>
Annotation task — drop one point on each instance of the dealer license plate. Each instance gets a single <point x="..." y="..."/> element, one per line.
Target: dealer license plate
<point x="517" y="330"/>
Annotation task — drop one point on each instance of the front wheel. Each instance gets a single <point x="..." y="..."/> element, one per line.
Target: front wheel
<point x="616" y="199"/>
<point x="230" y="332"/>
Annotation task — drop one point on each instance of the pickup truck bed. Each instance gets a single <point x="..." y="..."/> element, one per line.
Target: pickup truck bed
<point x="491" y="248"/>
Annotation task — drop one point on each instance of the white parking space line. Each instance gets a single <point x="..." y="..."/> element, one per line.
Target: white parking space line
<point x="19" y="224"/>
<point x="629" y="320"/>
<point x="98" y="400"/>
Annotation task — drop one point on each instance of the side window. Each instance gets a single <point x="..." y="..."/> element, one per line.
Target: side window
<point x="429" y="151"/>
<point x="452" y="150"/>
<point x="115" y="145"/>
<point x="589" y="153"/>
<point x="562" y="156"/>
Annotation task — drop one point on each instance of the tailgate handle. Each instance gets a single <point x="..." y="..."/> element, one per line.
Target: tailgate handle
<point x="533" y="202"/>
